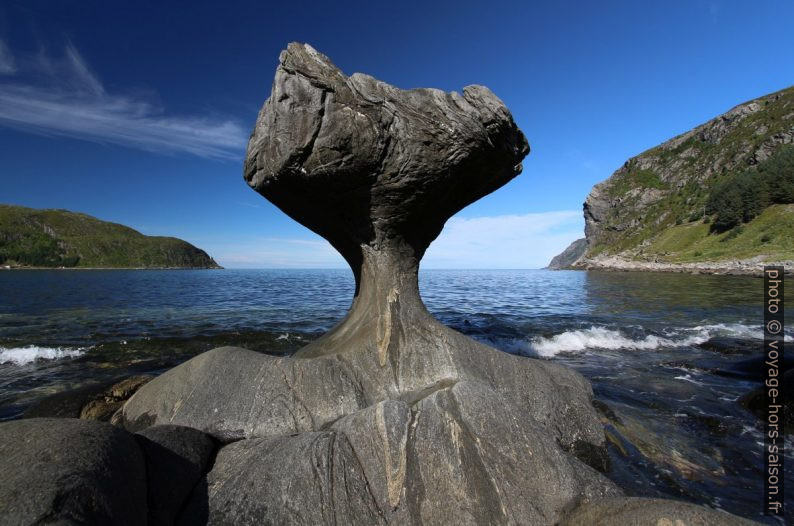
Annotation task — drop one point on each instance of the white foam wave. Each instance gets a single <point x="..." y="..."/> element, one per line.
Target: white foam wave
<point x="32" y="353"/>
<point x="594" y="337"/>
<point x="578" y="340"/>
<point x="688" y="378"/>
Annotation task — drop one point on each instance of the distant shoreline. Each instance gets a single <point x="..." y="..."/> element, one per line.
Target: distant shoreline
<point x="747" y="267"/>
<point x="111" y="268"/>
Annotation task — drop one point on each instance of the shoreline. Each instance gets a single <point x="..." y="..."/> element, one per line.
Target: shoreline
<point x="111" y="268"/>
<point x="747" y="267"/>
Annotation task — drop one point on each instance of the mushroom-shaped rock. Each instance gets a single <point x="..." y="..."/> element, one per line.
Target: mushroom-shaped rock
<point x="377" y="171"/>
<point x="371" y="167"/>
<point x="390" y="416"/>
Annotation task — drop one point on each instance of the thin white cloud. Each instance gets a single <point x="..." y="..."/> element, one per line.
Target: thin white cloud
<point x="82" y="72"/>
<point x="507" y="241"/>
<point x="256" y="252"/>
<point x="7" y="64"/>
<point x="64" y="97"/>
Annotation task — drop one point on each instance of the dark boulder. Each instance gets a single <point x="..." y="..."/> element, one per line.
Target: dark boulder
<point x="730" y="345"/>
<point x="63" y="470"/>
<point x="176" y="459"/>
<point x="752" y="369"/>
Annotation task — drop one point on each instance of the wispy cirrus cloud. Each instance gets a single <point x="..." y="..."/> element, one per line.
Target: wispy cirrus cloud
<point x="258" y="252"/>
<point x="7" y="64"/>
<point x="63" y="96"/>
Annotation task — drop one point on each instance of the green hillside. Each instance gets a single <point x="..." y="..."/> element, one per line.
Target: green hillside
<point x="60" y="238"/>
<point x="721" y="191"/>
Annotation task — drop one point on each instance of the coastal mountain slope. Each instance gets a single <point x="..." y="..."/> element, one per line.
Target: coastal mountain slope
<point x="569" y="256"/>
<point x="60" y="238"/>
<point x="720" y="193"/>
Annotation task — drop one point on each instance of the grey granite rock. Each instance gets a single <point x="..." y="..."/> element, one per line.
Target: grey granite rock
<point x="462" y="454"/>
<point x="310" y="478"/>
<point x="377" y="170"/>
<point x="635" y="511"/>
<point x="372" y="168"/>
<point x="63" y="470"/>
<point x="176" y="459"/>
<point x="390" y="416"/>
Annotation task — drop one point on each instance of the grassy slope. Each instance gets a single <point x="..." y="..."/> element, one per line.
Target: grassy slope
<point x="770" y="234"/>
<point x="687" y="161"/>
<point x="62" y="236"/>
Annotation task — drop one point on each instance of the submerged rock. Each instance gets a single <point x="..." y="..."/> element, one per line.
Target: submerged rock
<point x="731" y="345"/>
<point x="92" y="402"/>
<point x="757" y="403"/>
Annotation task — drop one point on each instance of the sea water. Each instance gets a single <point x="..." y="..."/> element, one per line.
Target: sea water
<point x="675" y="426"/>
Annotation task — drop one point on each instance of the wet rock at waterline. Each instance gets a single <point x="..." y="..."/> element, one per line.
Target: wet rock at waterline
<point x="757" y="403"/>
<point x="91" y="402"/>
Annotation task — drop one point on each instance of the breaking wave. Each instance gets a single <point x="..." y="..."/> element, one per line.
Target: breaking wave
<point x="32" y="353"/>
<point x="578" y="340"/>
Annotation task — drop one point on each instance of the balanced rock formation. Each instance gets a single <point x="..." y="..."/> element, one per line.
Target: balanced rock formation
<point x="390" y="417"/>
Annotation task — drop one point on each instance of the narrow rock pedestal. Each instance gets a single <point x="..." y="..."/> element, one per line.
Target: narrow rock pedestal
<point x="390" y="417"/>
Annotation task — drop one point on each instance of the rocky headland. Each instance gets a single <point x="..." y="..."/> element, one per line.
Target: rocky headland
<point x="391" y="417"/>
<point x="33" y="238"/>
<point x="569" y="256"/>
<point x="717" y="199"/>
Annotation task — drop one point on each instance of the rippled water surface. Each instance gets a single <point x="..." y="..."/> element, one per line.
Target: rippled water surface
<point x="668" y="395"/>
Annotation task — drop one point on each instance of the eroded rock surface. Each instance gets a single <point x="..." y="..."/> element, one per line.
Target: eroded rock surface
<point x="70" y="471"/>
<point x="390" y="417"/>
<point x="176" y="459"/>
<point x="651" y="512"/>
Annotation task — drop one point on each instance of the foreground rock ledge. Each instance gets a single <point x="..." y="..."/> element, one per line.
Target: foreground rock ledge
<point x="391" y="417"/>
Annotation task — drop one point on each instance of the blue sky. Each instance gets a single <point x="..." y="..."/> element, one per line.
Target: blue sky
<point x="138" y="111"/>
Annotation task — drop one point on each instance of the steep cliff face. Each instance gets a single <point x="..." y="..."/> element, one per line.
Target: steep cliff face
<point x="569" y="256"/>
<point x="654" y="207"/>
